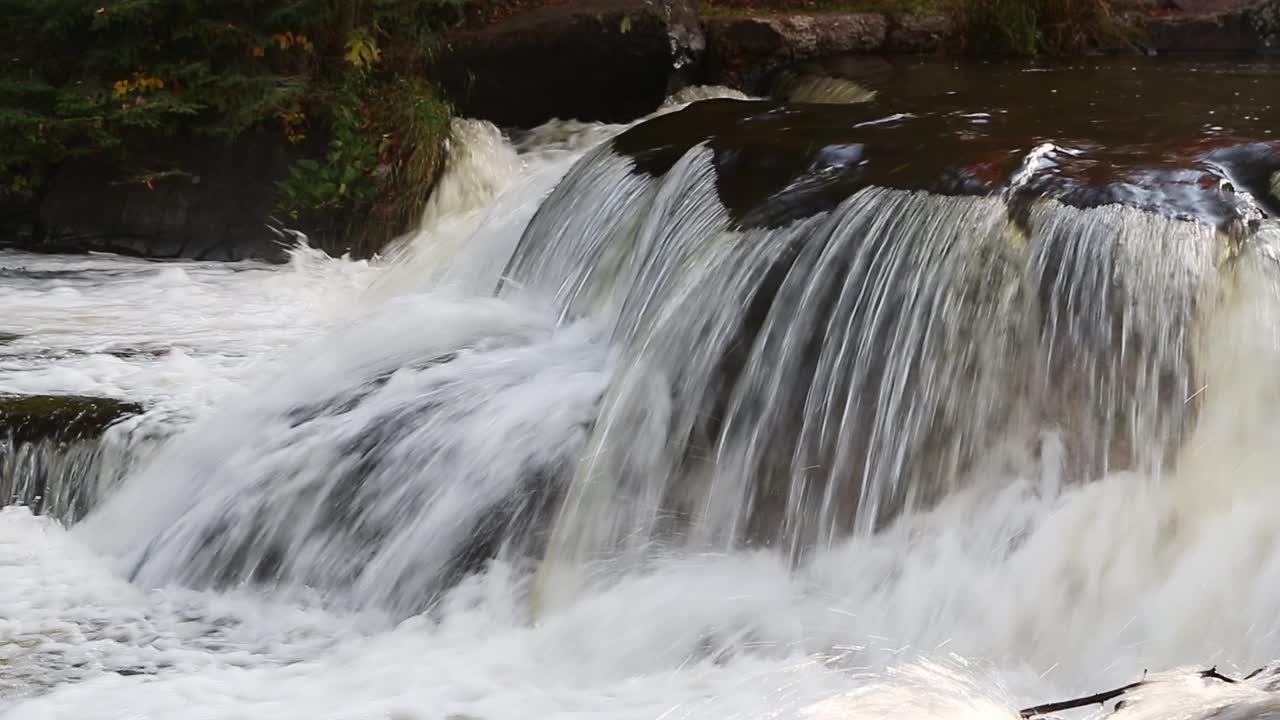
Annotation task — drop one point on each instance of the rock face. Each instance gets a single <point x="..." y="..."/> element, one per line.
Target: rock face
<point x="609" y="60"/>
<point x="218" y="208"/>
<point x="918" y="33"/>
<point x="1265" y="18"/>
<point x="1215" y="26"/>
<point x="743" y="51"/>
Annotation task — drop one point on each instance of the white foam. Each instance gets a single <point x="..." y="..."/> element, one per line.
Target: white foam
<point x="1010" y="593"/>
<point x="178" y="334"/>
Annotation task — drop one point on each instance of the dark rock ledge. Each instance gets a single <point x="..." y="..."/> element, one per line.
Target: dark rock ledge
<point x="36" y="418"/>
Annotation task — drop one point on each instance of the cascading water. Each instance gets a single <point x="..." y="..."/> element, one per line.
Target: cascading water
<point x="748" y="410"/>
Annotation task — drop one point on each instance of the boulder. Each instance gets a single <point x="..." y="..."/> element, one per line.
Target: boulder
<point x="216" y="208"/>
<point x="19" y="219"/>
<point x="603" y="60"/>
<point x="1214" y="26"/>
<point x="917" y="34"/>
<point x="62" y="418"/>
<point x="1265" y="17"/>
<point x="1229" y="32"/>
<point x="744" y="51"/>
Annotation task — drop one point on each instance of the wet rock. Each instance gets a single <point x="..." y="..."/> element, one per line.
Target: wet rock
<point x="35" y="418"/>
<point x="1228" y="32"/>
<point x="608" y="60"/>
<point x="744" y="51"/>
<point x="1265" y="18"/>
<point x="19" y="219"/>
<point x="959" y="130"/>
<point x="217" y="207"/>
<point x="1206" y="7"/>
<point x="912" y="34"/>
<point x="1215" y="26"/>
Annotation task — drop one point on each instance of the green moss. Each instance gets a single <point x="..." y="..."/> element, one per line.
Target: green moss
<point x="33" y="418"/>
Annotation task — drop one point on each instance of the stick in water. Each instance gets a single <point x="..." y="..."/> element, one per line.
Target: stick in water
<point x="1102" y="697"/>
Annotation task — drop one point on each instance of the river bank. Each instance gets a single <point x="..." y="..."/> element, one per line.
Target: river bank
<point x="351" y="169"/>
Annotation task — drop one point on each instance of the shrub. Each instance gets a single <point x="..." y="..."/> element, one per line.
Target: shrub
<point x="1034" y="27"/>
<point x="86" y="77"/>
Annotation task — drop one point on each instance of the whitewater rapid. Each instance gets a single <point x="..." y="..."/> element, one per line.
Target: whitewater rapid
<point x="1020" y="589"/>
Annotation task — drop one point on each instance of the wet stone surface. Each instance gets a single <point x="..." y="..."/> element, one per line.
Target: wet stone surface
<point x="1193" y="140"/>
<point x="33" y="418"/>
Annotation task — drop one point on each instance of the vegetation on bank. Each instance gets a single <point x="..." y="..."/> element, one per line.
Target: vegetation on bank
<point x="88" y="78"/>
<point x="1038" y="27"/>
<point x="344" y="82"/>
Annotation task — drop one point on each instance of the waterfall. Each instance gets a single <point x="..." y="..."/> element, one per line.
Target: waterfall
<point x="678" y="340"/>
<point x="60" y="455"/>
<point x="789" y="386"/>
<point x="61" y="479"/>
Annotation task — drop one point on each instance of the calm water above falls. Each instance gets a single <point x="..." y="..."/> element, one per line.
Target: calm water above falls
<point x="939" y="405"/>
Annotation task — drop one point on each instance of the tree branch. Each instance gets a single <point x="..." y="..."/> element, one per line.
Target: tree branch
<point x="1102" y="697"/>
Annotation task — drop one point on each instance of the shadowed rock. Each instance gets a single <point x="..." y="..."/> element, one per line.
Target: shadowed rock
<point x="743" y="51"/>
<point x="1214" y="26"/>
<point x="610" y="60"/>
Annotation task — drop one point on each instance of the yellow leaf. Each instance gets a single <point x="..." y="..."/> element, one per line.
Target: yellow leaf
<point x="362" y="49"/>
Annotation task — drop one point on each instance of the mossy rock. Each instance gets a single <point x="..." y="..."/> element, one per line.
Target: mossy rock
<point x="33" y="418"/>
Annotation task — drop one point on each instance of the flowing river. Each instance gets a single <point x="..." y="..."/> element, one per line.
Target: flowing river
<point x="956" y="399"/>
